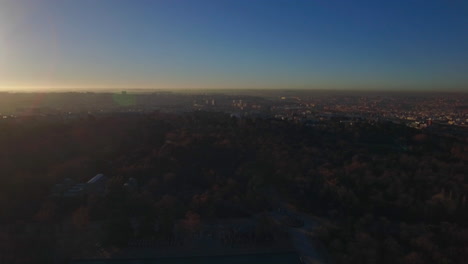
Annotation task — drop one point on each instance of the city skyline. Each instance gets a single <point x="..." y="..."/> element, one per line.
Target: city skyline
<point x="363" y="45"/>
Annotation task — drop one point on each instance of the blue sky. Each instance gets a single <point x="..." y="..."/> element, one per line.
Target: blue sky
<point x="322" y="44"/>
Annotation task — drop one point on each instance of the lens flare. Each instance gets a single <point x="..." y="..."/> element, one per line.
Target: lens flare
<point x="124" y="99"/>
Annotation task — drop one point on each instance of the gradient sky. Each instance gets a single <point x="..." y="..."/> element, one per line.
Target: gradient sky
<point x="321" y="44"/>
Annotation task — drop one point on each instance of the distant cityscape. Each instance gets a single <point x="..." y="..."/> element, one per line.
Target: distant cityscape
<point x="415" y="110"/>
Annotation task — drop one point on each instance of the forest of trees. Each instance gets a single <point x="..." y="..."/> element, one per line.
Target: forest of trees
<point x="388" y="193"/>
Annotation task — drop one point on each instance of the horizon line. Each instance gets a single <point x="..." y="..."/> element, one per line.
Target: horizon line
<point x="149" y="90"/>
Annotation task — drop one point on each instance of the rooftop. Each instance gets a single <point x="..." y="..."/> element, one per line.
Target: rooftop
<point x="96" y="178"/>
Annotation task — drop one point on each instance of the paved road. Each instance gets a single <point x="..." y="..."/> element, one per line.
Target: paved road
<point x="299" y="235"/>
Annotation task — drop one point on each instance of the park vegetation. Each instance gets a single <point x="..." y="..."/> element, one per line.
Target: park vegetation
<point x="386" y="193"/>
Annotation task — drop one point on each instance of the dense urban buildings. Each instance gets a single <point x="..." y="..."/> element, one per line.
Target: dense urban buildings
<point x="415" y="109"/>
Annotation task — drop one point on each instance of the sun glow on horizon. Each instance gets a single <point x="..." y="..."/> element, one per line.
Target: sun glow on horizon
<point x="49" y="46"/>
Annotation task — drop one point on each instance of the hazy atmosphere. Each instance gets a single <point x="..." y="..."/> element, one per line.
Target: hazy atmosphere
<point x="89" y="45"/>
<point x="233" y="131"/>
